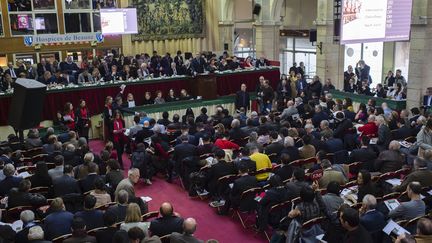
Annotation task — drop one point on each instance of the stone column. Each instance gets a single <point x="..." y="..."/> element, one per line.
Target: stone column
<point x="330" y="59"/>
<point x="267" y="40"/>
<point x="226" y="35"/>
<point x="420" y="72"/>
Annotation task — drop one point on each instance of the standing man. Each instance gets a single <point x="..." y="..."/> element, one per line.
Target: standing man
<point x="127" y="184"/>
<point x="242" y="98"/>
<point x="268" y="96"/>
<point x="198" y="64"/>
<point x="362" y="72"/>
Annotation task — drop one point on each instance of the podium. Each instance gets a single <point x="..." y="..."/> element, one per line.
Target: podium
<point x="204" y="86"/>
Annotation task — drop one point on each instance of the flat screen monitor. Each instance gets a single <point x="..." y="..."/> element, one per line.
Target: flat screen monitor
<point x="119" y="21"/>
<point x="375" y="21"/>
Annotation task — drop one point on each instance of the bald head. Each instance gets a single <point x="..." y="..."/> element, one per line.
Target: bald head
<point x="189" y="226"/>
<point x="166" y="209"/>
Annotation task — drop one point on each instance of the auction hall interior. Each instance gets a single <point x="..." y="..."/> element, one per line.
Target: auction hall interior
<point x="215" y="121"/>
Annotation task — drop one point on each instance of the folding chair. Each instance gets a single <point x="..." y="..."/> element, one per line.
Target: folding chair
<point x="246" y="198"/>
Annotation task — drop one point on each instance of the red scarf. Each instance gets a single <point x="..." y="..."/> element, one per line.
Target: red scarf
<point x="84" y="113"/>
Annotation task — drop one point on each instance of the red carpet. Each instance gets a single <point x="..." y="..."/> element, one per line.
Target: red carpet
<point x="210" y="225"/>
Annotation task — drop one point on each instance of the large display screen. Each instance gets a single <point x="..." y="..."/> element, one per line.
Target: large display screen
<point x="119" y="21"/>
<point x="375" y="20"/>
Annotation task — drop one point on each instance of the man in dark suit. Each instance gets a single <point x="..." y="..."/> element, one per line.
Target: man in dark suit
<point x="420" y="174"/>
<point x="285" y="171"/>
<point x="296" y="184"/>
<point x="384" y="135"/>
<point x="242" y="99"/>
<point x="274" y="148"/>
<point x="119" y="210"/>
<point x="66" y="184"/>
<point x="13" y="72"/>
<point x="236" y="133"/>
<point x="363" y="154"/>
<point x="243" y="183"/>
<point x="31" y="72"/>
<point x="42" y="67"/>
<point x="107" y="234"/>
<point x="319" y="116"/>
<point x="167" y="223"/>
<point x="93" y="218"/>
<point x="370" y="218"/>
<point x="362" y="71"/>
<point x="198" y="64"/>
<point x="216" y="171"/>
<point x="178" y="59"/>
<point x="59" y="221"/>
<point x="22" y="197"/>
<point x="183" y="150"/>
<point x="189" y="228"/>
<point x="290" y="149"/>
<point x="6" y="155"/>
<point x="10" y="181"/>
<point x="87" y="184"/>
<point x="332" y="145"/>
<point x="403" y="131"/>
<point x="427" y="99"/>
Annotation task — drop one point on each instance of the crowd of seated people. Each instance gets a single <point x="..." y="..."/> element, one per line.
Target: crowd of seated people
<point x="72" y="190"/>
<point x="114" y="67"/>
<point x="243" y="149"/>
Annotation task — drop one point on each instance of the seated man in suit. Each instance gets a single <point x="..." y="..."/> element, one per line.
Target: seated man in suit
<point x="189" y="228"/>
<point x="275" y="147"/>
<point x="127" y="184"/>
<point x="363" y="154"/>
<point x="9" y="181"/>
<point x="168" y="223"/>
<point x="371" y="219"/>
<point x="332" y="145"/>
<point x="79" y="233"/>
<point x="6" y="155"/>
<point x="28" y="219"/>
<point x="87" y="184"/>
<point x="420" y="174"/>
<point x="285" y="171"/>
<point x="427" y="99"/>
<point x="243" y="183"/>
<point x="22" y="197"/>
<point x="391" y="159"/>
<point x="411" y="209"/>
<point x="66" y="183"/>
<point x="107" y="234"/>
<point x="218" y="170"/>
<point x="59" y="221"/>
<point x="119" y="210"/>
<point x="330" y="174"/>
<point x="404" y="130"/>
<point x="93" y="218"/>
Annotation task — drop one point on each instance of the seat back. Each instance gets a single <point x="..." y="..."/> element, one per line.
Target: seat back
<point x="149" y="215"/>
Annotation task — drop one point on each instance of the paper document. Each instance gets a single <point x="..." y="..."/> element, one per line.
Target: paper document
<point x="146" y="199"/>
<point x="394" y="181"/>
<point x="394" y="229"/>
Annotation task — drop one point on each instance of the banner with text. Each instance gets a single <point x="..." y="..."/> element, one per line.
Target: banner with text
<point x="31" y="40"/>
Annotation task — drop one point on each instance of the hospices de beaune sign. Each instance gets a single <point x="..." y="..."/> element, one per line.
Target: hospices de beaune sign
<point x="31" y="40"/>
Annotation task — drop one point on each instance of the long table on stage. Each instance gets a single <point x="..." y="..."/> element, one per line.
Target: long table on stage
<point x="226" y="83"/>
<point x="359" y="98"/>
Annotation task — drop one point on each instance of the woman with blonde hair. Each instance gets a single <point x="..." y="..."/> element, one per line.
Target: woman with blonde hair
<point x="133" y="219"/>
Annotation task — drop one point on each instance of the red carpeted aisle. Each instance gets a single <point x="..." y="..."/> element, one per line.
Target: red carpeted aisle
<point x="210" y="225"/>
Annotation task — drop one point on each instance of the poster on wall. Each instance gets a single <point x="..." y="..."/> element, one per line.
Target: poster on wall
<point x="174" y="19"/>
<point x="23" y="21"/>
<point x="375" y="21"/>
